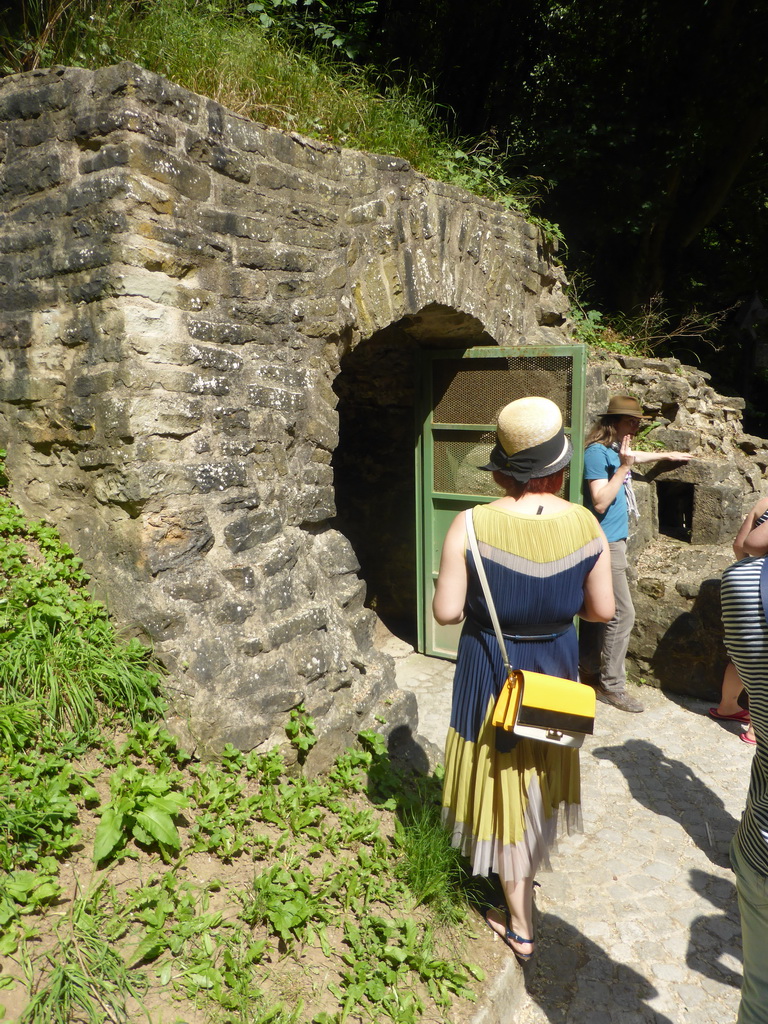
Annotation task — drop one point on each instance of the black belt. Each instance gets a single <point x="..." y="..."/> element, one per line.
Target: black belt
<point x="533" y="631"/>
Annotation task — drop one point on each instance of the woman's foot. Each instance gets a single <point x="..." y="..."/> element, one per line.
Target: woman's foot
<point x="521" y="947"/>
<point x="730" y="714"/>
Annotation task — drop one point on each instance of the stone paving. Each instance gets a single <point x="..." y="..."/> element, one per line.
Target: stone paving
<point x="638" y="920"/>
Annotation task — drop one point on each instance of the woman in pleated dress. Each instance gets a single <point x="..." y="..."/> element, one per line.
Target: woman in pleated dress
<point x="506" y="799"/>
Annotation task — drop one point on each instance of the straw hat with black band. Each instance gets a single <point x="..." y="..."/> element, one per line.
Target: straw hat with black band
<point x="530" y="440"/>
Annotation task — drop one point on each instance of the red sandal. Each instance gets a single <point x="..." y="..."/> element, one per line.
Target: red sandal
<point x="740" y="716"/>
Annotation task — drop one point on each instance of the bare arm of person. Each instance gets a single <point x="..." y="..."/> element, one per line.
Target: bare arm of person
<point x="751" y="539"/>
<point x="451" y="588"/>
<point x="598" y="604"/>
<point x="641" y="457"/>
<point x="603" y="492"/>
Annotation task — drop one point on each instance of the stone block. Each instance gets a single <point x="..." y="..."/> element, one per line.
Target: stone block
<point x="175" y="539"/>
<point x="231" y="421"/>
<point x="156" y="162"/>
<point x="218" y="476"/>
<point x="306" y="622"/>
<point x="77" y="257"/>
<point x="311" y="661"/>
<point x="197" y="591"/>
<point x="242" y="577"/>
<point x="676" y="439"/>
<point x="249" y="500"/>
<point x="15" y="332"/>
<point x="280" y="555"/>
<point x="29" y="174"/>
<point x="231" y="222"/>
<point x="206" y="658"/>
<point x="716" y="514"/>
<point x="225" y="332"/>
<point x="335" y="554"/>
<point x="161" y="627"/>
<point x="274" y="397"/>
<point x="96" y="189"/>
<point x="136" y="85"/>
<point x="269" y="257"/>
<point x="252" y="529"/>
<point x="278" y="595"/>
<point x="219" y="158"/>
<point x="234" y="612"/>
<point x="174" y="417"/>
<point x="90" y="123"/>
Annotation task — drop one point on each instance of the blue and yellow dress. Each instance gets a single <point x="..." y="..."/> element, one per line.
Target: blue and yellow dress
<point x="505" y="799"/>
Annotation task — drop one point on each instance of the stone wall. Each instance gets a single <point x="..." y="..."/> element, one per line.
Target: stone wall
<point x="202" y="320"/>
<point x="689" y="516"/>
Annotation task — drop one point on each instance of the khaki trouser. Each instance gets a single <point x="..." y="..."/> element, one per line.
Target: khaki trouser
<point x="603" y="645"/>
<point x="752" y="890"/>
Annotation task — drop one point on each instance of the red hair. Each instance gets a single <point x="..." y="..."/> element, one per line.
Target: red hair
<point x="536" y="485"/>
<point x="545" y="484"/>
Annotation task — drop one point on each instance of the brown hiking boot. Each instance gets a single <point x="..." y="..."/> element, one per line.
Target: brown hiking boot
<point x="619" y="699"/>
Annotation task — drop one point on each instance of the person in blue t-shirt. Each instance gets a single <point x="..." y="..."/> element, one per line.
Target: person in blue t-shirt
<point x="608" y="462"/>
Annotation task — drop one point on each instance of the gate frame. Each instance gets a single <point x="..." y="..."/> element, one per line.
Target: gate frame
<point x="441" y="641"/>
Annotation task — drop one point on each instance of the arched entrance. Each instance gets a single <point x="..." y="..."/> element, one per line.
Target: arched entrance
<point x="417" y="403"/>
<point x="375" y="462"/>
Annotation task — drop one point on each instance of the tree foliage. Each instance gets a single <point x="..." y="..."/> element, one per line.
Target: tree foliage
<point x="649" y="118"/>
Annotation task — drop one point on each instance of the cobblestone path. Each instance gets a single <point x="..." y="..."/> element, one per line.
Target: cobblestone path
<point x="638" y="920"/>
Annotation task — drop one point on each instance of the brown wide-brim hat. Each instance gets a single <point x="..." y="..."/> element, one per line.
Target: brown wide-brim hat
<point x="626" y="405"/>
<point x="531" y="441"/>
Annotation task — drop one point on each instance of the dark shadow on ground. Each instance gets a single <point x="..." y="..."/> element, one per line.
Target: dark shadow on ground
<point x="574" y="979"/>
<point x="715" y="936"/>
<point x="667" y="786"/>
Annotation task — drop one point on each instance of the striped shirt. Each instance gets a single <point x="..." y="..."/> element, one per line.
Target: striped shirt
<point x="746" y="638"/>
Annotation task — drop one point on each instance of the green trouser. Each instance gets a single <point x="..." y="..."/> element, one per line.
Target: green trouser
<point x="752" y="890"/>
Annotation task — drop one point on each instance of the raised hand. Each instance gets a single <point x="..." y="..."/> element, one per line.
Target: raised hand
<point x="626" y="455"/>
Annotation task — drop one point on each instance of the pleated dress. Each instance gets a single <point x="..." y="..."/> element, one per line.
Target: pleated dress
<point x="507" y="799"/>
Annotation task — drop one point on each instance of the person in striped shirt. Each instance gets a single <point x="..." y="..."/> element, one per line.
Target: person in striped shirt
<point x="746" y="639"/>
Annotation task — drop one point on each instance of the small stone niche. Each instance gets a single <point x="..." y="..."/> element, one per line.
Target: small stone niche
<point x="675" y="504"/>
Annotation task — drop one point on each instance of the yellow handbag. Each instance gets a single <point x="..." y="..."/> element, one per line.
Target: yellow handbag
<point x="547" y="708"/>
<point x="531" y="704"/>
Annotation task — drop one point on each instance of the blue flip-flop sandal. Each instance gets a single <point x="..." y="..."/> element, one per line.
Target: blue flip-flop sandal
<point x="509" y="937"/>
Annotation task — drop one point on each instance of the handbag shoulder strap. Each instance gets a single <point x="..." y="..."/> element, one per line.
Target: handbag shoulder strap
<point x="486" y="589"/>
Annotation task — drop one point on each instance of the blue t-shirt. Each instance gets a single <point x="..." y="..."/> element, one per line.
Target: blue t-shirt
<point x="600" y="463"/>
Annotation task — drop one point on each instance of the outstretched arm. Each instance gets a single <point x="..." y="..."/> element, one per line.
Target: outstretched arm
<point x="451" y="588"/>
<point x="660" y="456"/>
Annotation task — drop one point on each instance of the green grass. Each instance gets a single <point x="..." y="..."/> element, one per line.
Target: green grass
<point x="330" y="872"/>
<point x="218" y="51"/>
<point x="63" y="663"/>
<point x="104" y="913"/>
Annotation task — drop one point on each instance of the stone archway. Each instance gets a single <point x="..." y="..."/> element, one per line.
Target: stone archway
<point x="184" y="290"/>
<point x="374" y="462"/>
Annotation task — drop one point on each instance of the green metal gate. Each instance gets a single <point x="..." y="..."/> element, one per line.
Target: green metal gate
<point x="463" y="391"/>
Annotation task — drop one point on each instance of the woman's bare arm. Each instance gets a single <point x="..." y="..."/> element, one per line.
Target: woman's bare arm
<point x="451" y="588"/>
<point x="599" y="605"/>
<point x="751" y="539"/>
<point x="641" y="457"/>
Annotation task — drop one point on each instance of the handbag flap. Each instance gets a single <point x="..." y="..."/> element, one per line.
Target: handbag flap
<point x="505" y="711"/>
<point x="554" y="703"/>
